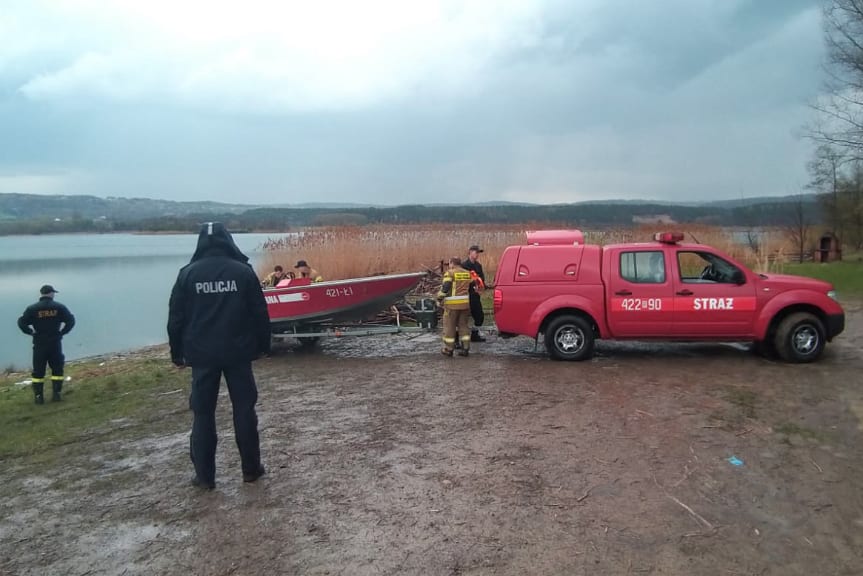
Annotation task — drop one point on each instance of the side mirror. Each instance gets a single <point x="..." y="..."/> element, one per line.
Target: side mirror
<point x="738" y="277"/>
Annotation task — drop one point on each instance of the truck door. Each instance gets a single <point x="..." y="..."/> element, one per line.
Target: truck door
<point x="640" y="288"/>
<point x="712" y="297"/>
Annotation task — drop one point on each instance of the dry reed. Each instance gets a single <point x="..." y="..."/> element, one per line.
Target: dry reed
<point x="353" y="252"/>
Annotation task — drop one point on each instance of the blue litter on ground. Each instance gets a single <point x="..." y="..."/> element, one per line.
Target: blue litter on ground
<point x="736" y="461"/>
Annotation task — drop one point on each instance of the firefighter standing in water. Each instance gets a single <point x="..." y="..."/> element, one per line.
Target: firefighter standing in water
<point x="43" y="321"/>
<point x="454" y="291"/>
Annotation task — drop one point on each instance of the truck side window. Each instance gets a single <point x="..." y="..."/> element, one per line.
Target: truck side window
<point x="705" y="268"/>
<point x="643" y="267"/>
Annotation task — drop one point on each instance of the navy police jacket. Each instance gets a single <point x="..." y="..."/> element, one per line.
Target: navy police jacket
<point x="217" y="312"/>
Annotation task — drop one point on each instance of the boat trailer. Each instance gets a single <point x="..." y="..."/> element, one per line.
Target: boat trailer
<point x="424" y="311"/>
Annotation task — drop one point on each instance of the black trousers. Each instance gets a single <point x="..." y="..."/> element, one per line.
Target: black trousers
<point x="48" y="353"/>
<point x="205" y="394"/>
<point x="476" y="310"/>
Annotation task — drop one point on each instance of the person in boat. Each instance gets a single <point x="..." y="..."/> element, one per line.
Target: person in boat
<point x="272" y="279"/>
<point x="218" y="324"/>
<point x="454" y="293"/>
<point x="305" y="271"/>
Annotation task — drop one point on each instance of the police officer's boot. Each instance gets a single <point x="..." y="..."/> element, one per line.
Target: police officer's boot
<point x="57" y="387"/>
<point x="37" y="392"/>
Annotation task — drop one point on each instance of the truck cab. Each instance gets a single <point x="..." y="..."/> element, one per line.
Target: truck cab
<point x="573" y="294"/>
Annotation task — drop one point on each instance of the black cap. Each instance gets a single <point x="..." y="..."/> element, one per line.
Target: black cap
<point x="300" y="264"/>
<point x="47" y="289"/>
<point x="475" y="248"/>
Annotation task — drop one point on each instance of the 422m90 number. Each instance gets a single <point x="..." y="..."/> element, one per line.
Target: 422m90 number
<point x="641" y="304"/>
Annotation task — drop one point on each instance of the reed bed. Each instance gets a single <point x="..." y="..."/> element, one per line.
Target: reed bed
<point x="353" y="252"/>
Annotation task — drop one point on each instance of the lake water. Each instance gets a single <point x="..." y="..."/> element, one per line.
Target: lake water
<point x="116" y="285"/>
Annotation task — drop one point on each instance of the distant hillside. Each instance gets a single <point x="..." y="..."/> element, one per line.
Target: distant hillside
<point x="805" y="198"/>
<point x="40" y="207"/>
<point x="30" y="214"/>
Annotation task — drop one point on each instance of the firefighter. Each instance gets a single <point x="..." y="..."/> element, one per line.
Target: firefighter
<point x="218" y="324"/>
<point x="47" y="321"/>
<point x="472" y="265"/>
<point x="272" y="279"/>
<point x="307" y="271"/>
<point x="454" y="291"/>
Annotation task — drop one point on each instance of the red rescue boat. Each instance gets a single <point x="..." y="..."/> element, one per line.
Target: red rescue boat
<point x="303" y="304"/>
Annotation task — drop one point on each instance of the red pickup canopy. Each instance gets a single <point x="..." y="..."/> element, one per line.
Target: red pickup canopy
<point x="555" y="237"/>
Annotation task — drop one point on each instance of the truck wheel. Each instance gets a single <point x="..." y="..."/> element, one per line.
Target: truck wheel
<point x="569" y="338"/>
<point x="800" y="338"/>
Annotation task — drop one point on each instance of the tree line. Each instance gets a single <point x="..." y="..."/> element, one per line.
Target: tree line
<point x="763" y="214"/>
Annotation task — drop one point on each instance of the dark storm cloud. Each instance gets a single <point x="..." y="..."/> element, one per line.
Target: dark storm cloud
<point x="672" y="100"/>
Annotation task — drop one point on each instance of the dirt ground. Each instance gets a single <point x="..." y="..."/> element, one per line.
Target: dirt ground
<point x="384" y="457"/>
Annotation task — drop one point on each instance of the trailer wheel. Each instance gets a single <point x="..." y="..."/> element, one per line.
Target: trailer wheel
<point x="800" y="338"/>
<point x="569" y="337"/>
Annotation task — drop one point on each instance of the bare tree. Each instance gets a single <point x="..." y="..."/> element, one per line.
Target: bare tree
<point x="841" y="107"/>
<point x="826" y="172"/>
<point x="799" y="226"/>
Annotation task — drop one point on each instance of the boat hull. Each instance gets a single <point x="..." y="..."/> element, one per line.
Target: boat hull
<point x="338" y="301"/>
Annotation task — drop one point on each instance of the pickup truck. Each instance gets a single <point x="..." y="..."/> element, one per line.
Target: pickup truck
<point x="574" y="294"/>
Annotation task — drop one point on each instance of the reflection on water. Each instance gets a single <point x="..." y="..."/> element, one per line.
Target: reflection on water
<point x="116" y="285"/>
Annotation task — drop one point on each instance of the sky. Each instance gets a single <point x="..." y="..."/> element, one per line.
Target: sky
<point x="408" y="101"/>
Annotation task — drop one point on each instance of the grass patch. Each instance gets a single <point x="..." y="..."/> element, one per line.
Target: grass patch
<point x="129" y="389"/>
<point x="846" y="276"/>
<point x="744" y="399"/>
<point x="790" y="429"/>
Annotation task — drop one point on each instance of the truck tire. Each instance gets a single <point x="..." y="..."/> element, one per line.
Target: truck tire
<point x="569" y="338"/>
<point x="800" y="338"/>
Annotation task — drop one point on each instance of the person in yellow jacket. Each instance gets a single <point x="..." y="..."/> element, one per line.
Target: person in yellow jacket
<point x="454" y="293"/>
<point x="306" y="271"/>
<point x="273" y="278"/>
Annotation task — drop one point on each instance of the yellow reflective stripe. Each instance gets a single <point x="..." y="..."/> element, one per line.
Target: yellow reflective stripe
<point x="450" y="340"/>
<point x="57" y="377"/>
<point x="465" y="338"/>
<point x="456" y="299"/>
<point x="462" y="275"/>
<point x="37" y="380"/>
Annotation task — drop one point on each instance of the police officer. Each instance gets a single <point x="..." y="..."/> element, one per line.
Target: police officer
<point x="218" y="324"/>
<point x="47" y="322"/>
<point x="454" y="290"/>
<point x="472" y="265"/>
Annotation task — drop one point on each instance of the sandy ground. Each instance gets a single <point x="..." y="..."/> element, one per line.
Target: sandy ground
<point x="384" y="457"/>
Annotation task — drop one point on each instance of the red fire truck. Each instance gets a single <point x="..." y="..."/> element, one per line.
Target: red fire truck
<point x="573" y="294"/>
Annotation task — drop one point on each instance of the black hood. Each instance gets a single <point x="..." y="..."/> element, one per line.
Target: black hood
<point x="214" y="237"/>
